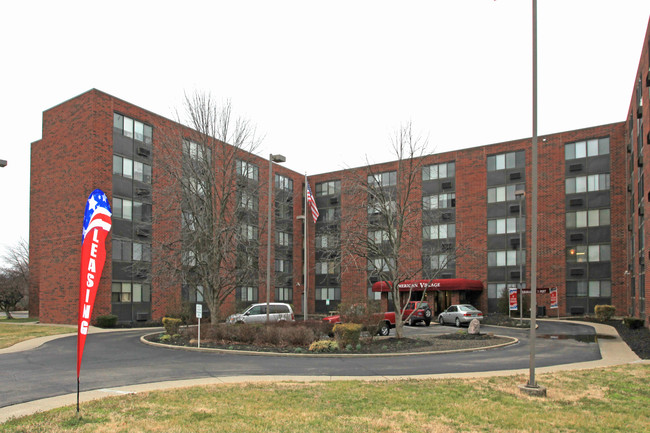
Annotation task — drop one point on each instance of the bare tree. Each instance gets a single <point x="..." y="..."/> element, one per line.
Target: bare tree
<point x="387" y="237"/>
<point x="214" y="188"/>
<point x="14" y="277"/>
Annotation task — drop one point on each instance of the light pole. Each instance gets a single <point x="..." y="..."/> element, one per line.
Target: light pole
<point x="272" y="159"/>
<point x="519" y="194"/>
<point x="3" y="162"/>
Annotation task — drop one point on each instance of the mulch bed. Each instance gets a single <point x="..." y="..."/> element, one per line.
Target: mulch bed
<point x="378" y="345"/>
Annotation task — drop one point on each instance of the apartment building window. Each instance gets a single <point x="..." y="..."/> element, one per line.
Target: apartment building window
<point x="141" y="252"/>
<point x="248" y="201"/>
<point x="439" y="231"/>
<point x="196" y="294"/>
<point x="121" y="250"/>
<point x="439" y="201"/>
<point x="248" y="170"/>
<point x="327" y="268"/>
<point x="388" y="178"/>
<point x="131" y="128"/>
<point x="503" y="193"/>
<point x="439" y="261"/>
<point x="249" y="232"/>
<point x="587" y="148"/>
<point x="282" y="265"/>
<point x="505" y="161"/>
<point x="506" y="258"/>
<point x="283" y="294"/>
<point x="328" y="294"/>
<point x="196" y="151"/>
<point x="122" y="208"/>
<point x="439" y="171"/>
<point x="332" y="187"/>
<point x="326" y="241"/>
<point x="502" y="226"/>
<point x="591" y="288"/>
<point x="283" y="239"/>
<point x="589" y="253"/>
<point x="378" y="236"/>
<point x="588" y="218"/>
<point x="330" y="214"/>
<point x="581" y="184"/>
<point x="283" y="183"/>
<point x="121" y="292"/>
<point x="246" y="294"/>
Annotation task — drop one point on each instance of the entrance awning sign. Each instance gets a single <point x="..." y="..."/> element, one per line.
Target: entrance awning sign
<point x="459" y="284"/>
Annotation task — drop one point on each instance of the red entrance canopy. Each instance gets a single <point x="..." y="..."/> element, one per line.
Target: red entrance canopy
<point x="459" y="284"/>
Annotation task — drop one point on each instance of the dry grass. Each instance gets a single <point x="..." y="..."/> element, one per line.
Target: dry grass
<point x="11" y="334"/>
<point x="603" y="400"/>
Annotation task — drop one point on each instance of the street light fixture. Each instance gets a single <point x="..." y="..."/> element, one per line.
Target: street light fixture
<point x="272" y="159"/>
<point x="3" y="162"/>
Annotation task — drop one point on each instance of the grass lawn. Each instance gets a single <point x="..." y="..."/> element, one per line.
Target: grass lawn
<point x="11" y="334"/>
<point x="3" y="319"/>
<point x="603" y="400"/>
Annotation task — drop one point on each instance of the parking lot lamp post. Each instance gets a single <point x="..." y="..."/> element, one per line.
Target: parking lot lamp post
<point x="272" y="159"/>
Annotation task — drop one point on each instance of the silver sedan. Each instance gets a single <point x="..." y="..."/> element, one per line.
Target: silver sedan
<point x="457" y="314"/>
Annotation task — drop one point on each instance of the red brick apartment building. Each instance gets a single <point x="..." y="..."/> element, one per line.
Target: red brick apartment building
<point x="591" y="237"/>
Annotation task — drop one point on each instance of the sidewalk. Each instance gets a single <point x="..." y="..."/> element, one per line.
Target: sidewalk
<point x="612" y="348"/>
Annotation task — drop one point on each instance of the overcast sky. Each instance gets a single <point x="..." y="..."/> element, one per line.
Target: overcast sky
<point x="326" y="83"/>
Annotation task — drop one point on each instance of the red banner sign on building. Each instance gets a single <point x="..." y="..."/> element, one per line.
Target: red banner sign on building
<point x="96" y="226"/>
<point x="554" y="297"/>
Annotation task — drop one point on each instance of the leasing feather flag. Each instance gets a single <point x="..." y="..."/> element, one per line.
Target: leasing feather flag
<point x="96" y="225"/>
<point x="312" y="203"/>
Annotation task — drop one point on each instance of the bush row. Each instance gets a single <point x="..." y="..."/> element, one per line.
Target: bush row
<point x="278" y="335"/>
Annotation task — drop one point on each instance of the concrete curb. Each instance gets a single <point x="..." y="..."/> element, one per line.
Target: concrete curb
<point x="613" y="352"/>
<point x="512" y="341"/>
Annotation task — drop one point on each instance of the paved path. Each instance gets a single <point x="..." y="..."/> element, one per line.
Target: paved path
<point x="117" y="362"/>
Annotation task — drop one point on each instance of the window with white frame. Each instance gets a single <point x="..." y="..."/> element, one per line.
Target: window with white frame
<point x="130" y="169"/>
<point x="123" y="208"/>
<point x="439" y="171"/>
<point x="439" y="231"/>
<point x="588" y="218"/>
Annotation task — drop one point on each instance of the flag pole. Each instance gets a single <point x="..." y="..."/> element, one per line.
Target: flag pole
<point x="304" y="259"/>
<point x="78" y="414"/>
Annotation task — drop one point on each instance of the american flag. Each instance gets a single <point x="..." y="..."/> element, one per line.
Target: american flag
<point x="97" y="213"/>
<point x="312" y="203"/>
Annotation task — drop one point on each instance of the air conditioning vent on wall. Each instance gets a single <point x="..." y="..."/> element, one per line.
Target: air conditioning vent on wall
<point x="446" y="185"/>
<point x="641" y="210"/>
<point x="576" y="237"/>
<point x="639" y="112"/>
<point x="577" y="272"/>
<point x="639" y="161"/>
<point x="515" y="175"/>
<point x="514" y="208"/>
<point x="575" y="202"/>
<point x="575" y="167"/>
<point x="143" y="151"/>
<point x="334" y="200"/>
<point x="514" y="274"/>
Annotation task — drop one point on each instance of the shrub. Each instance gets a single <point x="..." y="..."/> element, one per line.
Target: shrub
<point x="165" y="338"/>
<point x="633" y="322"/>
<point x="604" y="312"/>
<point x="107" y="321"/>
<point x="347" y="334"/>
<point x="324" y="346"/>
<point x="171" y="325"/>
